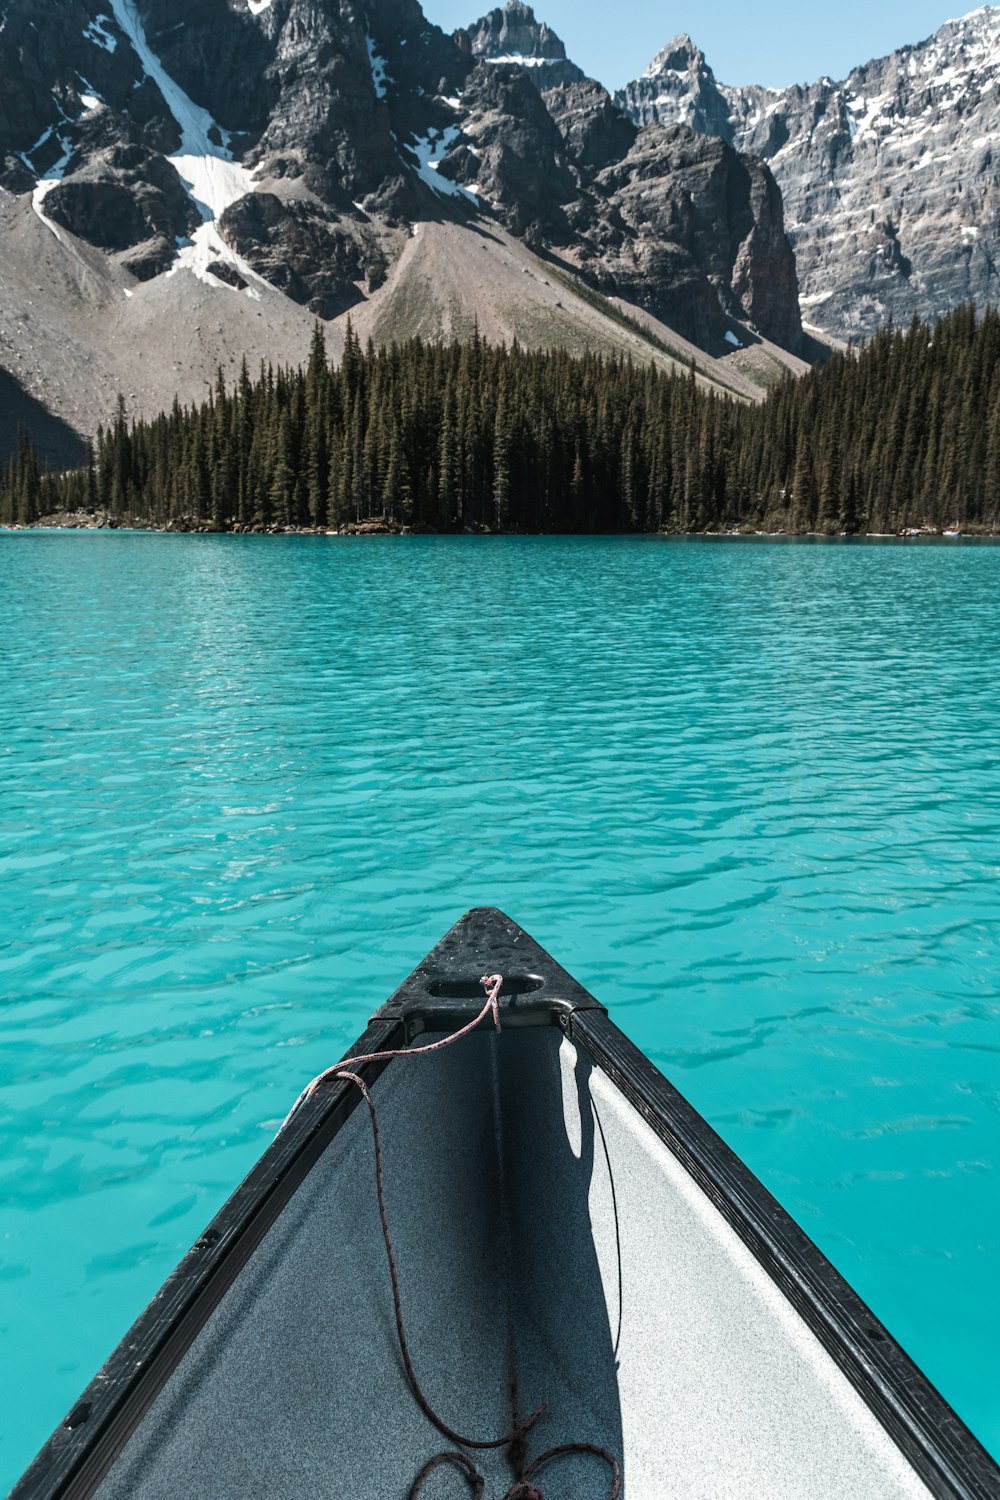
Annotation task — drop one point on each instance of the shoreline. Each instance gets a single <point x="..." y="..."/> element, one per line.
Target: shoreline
<point x="188" y="526"/>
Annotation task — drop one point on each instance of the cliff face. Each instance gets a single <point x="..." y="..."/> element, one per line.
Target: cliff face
<point x="512" y="35"/>
<point x="678" y="225"/>
<point x="676" y="189"/>
<point x="297" y="140"/>
<point x="889" y="178"/>
<point x="295" y="146"/>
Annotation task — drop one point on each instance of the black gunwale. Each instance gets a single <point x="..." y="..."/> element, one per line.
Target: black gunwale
<point x="942" y="1451"/>
<point x="939" y="1447"/>
<point x="88" y="1440"/>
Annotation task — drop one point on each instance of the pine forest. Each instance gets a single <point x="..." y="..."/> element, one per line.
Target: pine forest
<point x="903" y="433"/>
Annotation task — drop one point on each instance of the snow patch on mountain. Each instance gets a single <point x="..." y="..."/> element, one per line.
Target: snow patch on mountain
<point x="45" y="184"/>
<point x="196" y="125"/>
<point x="57" y="171"/>
<point x="204" y="163"/>
<point x="892" y="198"/>
<point x="89" y="96"/>
<point x="430" y="151"/>
<point x="97" y="34"/>
<point x="212" y="184"/>
<point x="520" y="60"/>
<point x="380" y="78"/>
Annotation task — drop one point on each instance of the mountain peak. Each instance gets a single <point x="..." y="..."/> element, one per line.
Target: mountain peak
<point x="680" y="55"/>
<point x="678" y="88"/>
<point x="912" y="133"/>
<point x="514" y="33"/>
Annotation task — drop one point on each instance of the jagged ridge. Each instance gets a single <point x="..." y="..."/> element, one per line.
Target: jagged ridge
<point x="889" y="178"/>
<point x="293" y="147"/>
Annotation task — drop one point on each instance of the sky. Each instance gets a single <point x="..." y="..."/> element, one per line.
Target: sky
<point x="775" y="42"/>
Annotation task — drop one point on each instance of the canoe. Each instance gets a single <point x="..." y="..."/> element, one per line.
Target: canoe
<point x="568" y="1233"/>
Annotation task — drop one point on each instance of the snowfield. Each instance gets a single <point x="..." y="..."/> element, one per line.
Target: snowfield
<point x="212" y="178"/>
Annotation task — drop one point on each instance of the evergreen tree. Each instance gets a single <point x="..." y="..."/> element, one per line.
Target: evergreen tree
<point x="902" y="431"/>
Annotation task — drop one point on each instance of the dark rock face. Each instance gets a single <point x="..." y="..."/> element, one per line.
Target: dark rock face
<point x="594" y="132"/>
<point x="512" y="35"/>
<point x="326" y="110"/>
<point x="46" y="52"/>
<point x="681" y="192"/>
<point x="296" y="247"/>
<point x="515" y="151"/>
<point x="297" y="141"/>
<point x="123" y="197"/>
<point x="890" y="179"/>
<point x="212" y="49"/>
<point x="223" y="271"/>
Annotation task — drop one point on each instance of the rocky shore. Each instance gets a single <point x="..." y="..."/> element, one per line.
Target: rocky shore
<point x="98" y="520"/>
<point x="82" y="520"/>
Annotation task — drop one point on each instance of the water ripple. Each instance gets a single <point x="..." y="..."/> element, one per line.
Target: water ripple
<point x="749" y="793"/>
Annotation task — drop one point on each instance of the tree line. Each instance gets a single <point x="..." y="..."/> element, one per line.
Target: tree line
<point x="902" y="432"/>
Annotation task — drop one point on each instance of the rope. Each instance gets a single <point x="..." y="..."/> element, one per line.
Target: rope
<point x="491" y="984"/>
<point x="522" y="1489"/>
<point x="460" y="1461"/>
<point x="404" y="1348"/>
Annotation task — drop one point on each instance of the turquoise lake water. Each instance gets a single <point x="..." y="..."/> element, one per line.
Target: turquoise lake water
<point x="747" y="791"/>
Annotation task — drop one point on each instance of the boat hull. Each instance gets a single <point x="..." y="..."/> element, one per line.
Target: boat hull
<point x="568" y="1231"/>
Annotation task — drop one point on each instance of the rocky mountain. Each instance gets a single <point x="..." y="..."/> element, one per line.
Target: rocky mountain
<point x="890" y="179"/>
<point x="189" y="182"/>
<point x="512" y="35"/>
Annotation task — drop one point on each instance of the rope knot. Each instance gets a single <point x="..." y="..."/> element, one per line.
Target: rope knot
<point x="523" y="1491"/>
<point x="492" y="983"/>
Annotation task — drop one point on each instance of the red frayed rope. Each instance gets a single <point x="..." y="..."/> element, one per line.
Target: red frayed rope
<point x="344" y="1072"/>
<point x="491" y="984"/>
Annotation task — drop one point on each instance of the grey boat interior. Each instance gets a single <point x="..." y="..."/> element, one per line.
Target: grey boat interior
<point x="558" y="1241"/>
